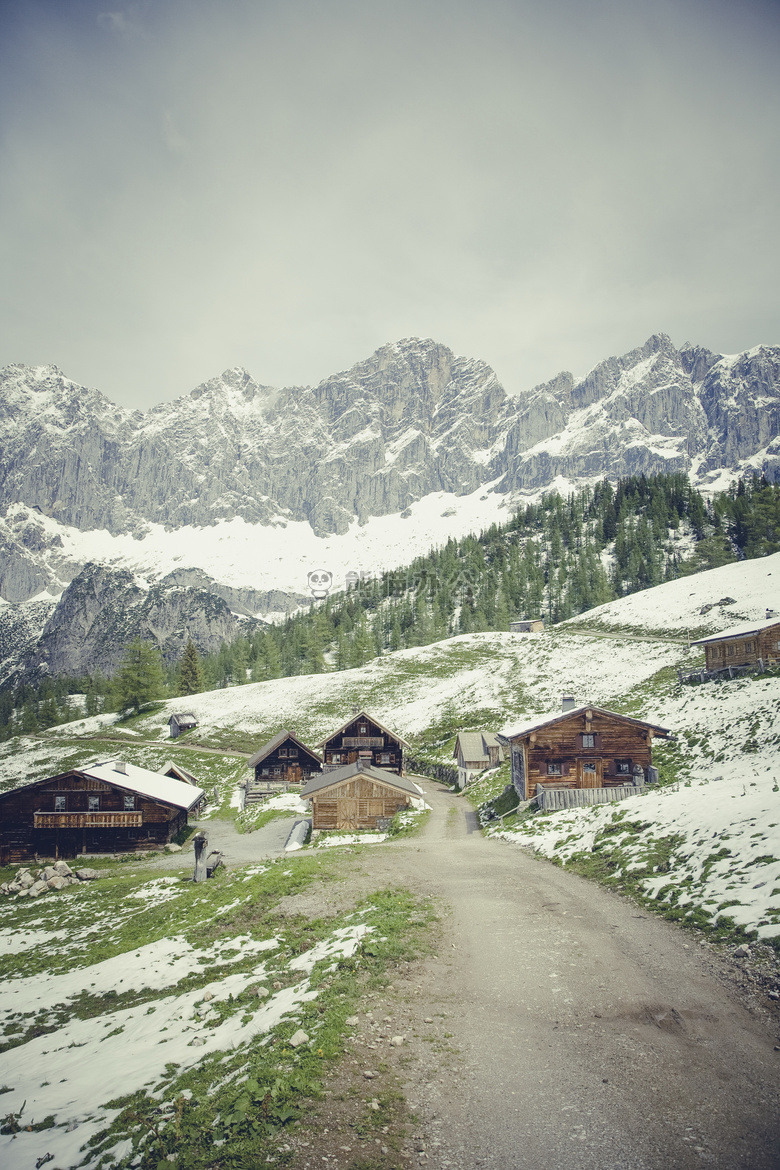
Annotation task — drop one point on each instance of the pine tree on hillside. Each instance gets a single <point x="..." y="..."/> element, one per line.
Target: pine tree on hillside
<point x="140" y="677"/>
<point x="191" y="680"/>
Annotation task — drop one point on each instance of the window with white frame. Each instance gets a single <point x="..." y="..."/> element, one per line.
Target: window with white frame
<point x="588" y="740"/>
<point x="553" y="768"/>
<point x="129" y="802"/>
<point x="93" y="804"/>
<point x="60" y="804"/>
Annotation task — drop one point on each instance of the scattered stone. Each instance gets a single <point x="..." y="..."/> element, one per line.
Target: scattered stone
<point x="62" y="868"/>
<point x="397" y="1041"/>
<point x="277" y="985"/>
<point x="48" y="873"/>
<point x="207" y="996"/>
<point x="352" y="1021"/>
<point x="742" y="952"/>
<point x="369" y="1075"/>
<point x="373" y="1104"/>
<point x="428" y="1020"/>
<point x="37" y="888"/>
<point x="57" y="882"/>
<point x="171" y="848"/>
<point x="196" y="1042"/>
<point x="87" y="875"/>
<point x="298" y="1039"/>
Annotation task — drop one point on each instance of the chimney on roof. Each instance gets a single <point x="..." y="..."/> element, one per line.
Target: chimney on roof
<point x="568" y="703"/>
<point x="120" y="766"/>
<point x="770" y="613"/>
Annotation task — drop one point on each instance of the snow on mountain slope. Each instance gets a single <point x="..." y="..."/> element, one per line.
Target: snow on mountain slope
<point x="412" y="421"/>
<point x="701" y="604"/>
<point x="709" y="841"/>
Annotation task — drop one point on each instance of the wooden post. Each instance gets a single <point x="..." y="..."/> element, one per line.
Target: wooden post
<point x="200" y="841"/>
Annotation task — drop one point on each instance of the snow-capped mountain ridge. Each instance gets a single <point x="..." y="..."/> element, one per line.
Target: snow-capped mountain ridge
<point x="412" y="421"/>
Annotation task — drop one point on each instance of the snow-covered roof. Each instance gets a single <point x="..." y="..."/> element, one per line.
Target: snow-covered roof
<point x="145" y="783"/>
<point x="558" y="716"/>
<point x="276" y="742"/>
<point x="360" y="767"/>
<point x="738" y="631"/>
<point x="353" y="719"/>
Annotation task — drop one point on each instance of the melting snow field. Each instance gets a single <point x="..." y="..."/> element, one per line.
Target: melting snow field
<point x="69" y="1075"/>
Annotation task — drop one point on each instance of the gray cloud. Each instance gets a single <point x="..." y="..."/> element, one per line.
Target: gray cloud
<point x="288" y="185"/>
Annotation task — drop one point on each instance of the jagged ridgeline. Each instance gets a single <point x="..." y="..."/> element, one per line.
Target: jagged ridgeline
<point x="558" y="558"/>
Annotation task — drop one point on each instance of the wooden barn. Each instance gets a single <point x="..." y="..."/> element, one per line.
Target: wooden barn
<point x="475" y="751"/>
<point x="750" y="645"/>
<point x="363" y="737"/>
<point x="358" y="796"/>
<point x="182" y="721"/>
<point x="105" y="808"/>
<point x="281" y="763"/>
<point x="583" y="747"/>
<point x="529" y="626"/>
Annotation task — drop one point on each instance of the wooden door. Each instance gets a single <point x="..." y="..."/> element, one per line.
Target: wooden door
<point x="293" y="773"/>
<point x="348" y="813"/>
<point x="589" y="773"/>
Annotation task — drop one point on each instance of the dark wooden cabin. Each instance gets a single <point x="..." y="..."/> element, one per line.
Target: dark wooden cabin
<point x="104" y="808"/>
<point x="284" y="762"/>
<point x="358" y="796"/>
<point x="584" y="747"/>
<point x="363" y="737"/>
<point x="751" y="644"/>
<point x="182" y="721"/>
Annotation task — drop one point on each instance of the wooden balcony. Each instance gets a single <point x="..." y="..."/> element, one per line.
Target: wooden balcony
<point x="362" y="741"/>
<point x="88" y="820"/>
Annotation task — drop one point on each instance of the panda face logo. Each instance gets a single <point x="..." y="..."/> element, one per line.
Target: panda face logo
<point x="320" y="583"/>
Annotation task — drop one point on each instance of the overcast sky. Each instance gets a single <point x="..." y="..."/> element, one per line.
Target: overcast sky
<point x="287" y="185"/>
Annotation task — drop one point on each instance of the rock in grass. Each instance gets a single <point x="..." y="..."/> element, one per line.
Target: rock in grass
<point x="87" y="875"/>
<point x="262" y="992"/>
<point x="368" y="1074"/>
<point x="172" y="848"/>
<point x="397" y="1041"/>
<point x="298" y="1039"/>
<point x="196" y="1042"/>
<point x="57" y="882"/>
<point x="37" y="888"/>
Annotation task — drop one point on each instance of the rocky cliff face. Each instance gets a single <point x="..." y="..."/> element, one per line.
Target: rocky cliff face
<point x="99" y="613"/>
<point x="410" y="420"/>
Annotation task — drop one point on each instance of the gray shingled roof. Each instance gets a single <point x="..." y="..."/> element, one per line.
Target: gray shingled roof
<point x="738" y="631"/>
<point x="276" y="742"/>
<point x="360" y="767"/>
<point x="474" y="745"/>
<point x="544" y="720"/>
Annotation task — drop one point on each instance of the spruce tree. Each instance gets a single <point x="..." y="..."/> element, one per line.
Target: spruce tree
<point x="191" y="681"/>
<point x="139" y="679"/>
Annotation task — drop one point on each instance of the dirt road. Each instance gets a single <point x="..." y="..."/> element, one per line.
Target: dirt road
<point x="582" y="1031"/>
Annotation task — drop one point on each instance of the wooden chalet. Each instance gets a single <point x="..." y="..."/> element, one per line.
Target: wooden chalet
<point x="751" y="645"/>
<point x="582" y="747"/>
<point x="105" y="808"/>
<point x="363" y="737"/>
<point x="475" y="751"/>
<point x="358" y="796"/>
<point x="529" y="626"/>
<point x="284" y="762"/>
<point x="182" y="721"/>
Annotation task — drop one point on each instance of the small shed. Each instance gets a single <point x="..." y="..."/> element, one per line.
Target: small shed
<point x="475" y="751"/>
<point x="182" y="721"/>
<point x="113" y="807"/>
<point x="529" y="626"/>
<point x="285" y="761"/>
<point x="585" y="747"/>
<point x="358" y="796"/>
<point x="176" y="772"/>
<point x="363" y="737"/>
<point x="748" y="645"/>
